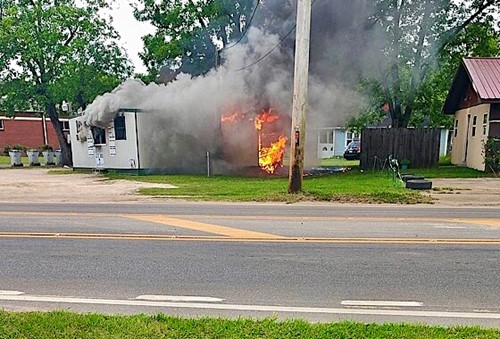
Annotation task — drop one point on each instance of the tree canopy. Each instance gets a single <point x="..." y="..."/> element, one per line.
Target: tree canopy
<point x="55" y="51"/>
<point x="422" y="35"/>
<point x="418" y="44"/>
<point x="190" y="33"/>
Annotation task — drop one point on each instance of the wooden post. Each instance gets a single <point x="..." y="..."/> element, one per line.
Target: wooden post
<point x="298" y="137"/>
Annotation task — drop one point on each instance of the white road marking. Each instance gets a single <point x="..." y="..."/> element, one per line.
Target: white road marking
<point x="179" y="298"/>
<point x="10" y="292"/>
<point x="255" y="308"/>
<point x="381" y="303"/>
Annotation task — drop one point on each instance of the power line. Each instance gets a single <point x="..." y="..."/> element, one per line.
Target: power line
<point x="268" y="53"/>
<point x="272" y="50"/>
<point x="247" y="26"/>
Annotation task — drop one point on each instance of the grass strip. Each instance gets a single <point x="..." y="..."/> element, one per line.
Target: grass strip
<point x="354" y="186"/>
<point x="62" y="324"/>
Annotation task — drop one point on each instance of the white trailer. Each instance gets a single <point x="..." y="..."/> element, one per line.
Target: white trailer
<point x="144" y="142"/>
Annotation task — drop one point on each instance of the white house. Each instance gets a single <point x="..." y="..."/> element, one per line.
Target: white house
<point x="474" y="100"/>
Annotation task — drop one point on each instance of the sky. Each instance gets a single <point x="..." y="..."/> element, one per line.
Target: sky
<point x="130" y="31"/>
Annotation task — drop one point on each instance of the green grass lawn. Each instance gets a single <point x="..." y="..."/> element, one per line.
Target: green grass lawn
<point x="5" y="160"/>
<point x="339" y="161"/>
<point x="71" y="325"/>
<point x="353" y="186"/>
<point x="450" y="172"/>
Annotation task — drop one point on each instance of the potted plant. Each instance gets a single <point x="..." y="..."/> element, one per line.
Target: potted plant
<point x="48" y="154"/>
<point x="33" y="157"/>
<point x="15" y="152"/>
<point x="405" y="163"/>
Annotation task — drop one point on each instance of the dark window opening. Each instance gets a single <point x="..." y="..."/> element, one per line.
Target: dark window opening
<point x="474" y="125"/>
<point x="99" y="135"/>
<point x="65" y="125"/>
<point x="455" y="132"/>
<point x="485" y="123"/>
<point x="120" y="130"/>
<point x="2" y="127"/>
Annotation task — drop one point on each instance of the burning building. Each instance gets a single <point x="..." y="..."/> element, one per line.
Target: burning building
<point x="238" y="143"/>
<point x="268" y="131"/>
<point x="152" y="140"/>
<point x="239" y="114"/>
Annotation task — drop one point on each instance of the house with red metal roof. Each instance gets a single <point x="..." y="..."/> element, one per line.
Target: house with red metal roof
<point x="474" y="99"/>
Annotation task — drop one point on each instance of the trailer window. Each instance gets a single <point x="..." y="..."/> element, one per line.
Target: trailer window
<point x="120" y="131"/>
<point x="65" y="125"/>
<point x="99" y="135"/>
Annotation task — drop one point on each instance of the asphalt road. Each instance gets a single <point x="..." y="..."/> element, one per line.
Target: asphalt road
<point x="320" y="262"/>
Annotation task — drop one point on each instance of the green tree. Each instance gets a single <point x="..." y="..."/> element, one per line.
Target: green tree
<point x="418" y="33"/>
<point x="478" y="39"/>
<point x="190" y="34"/>
<point x="54" y="51"/>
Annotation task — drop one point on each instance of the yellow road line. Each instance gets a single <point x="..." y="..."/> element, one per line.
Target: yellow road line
<point x="494" y="222"/>
<point x="160" y="237"/>
<point x="480" y="222"/>
<point x="198" y="226"/>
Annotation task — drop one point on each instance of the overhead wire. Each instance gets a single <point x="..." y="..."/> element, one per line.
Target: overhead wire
<point x="247" y="26"/>
<point x="271" y="50"/>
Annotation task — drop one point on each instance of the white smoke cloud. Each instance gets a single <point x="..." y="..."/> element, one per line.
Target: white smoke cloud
<point x="244" y="82"/>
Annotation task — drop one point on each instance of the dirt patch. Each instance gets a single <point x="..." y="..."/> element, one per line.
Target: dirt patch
<point x="466" y="192"/>
<point x="38" y="185"/>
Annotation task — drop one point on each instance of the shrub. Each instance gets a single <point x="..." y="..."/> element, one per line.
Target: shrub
<point x="492" y="154"/>
<point x="9" y="148"/>
<point x="45" y="148"/>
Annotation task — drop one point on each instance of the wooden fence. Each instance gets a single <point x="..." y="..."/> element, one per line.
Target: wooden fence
<point x="419" y="146"/>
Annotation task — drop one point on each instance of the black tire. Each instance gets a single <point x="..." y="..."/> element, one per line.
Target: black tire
<point x="406" y="177"/>
<point x="419" y="184"/>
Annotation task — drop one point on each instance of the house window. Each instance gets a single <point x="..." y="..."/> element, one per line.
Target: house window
<point x="65" y="125"/>
<point x="350" y="136"/>
<point x="485" y="123"/>
<point x="474" y="125"/>
<point x="99" y="135"/>
<point x="2" y="127"/>
<point x="455" y="131"/>
<point x="120" y="131"/>
<point x="326" y="137"/>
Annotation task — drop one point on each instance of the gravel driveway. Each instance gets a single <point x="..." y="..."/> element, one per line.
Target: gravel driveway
<point x="37" y="185"/>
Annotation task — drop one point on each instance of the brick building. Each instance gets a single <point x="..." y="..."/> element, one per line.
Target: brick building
<point x="31" y="130"/>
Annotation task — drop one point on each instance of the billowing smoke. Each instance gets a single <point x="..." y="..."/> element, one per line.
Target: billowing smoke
<point x="188" y="109"/>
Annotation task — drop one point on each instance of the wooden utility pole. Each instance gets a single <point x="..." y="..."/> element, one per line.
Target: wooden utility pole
<point x="298" y="138"/>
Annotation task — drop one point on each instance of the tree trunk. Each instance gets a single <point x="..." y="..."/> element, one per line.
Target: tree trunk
<point x="67" y="159"/>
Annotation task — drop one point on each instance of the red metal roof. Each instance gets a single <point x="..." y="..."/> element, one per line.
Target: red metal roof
<point x="485" y="76"/>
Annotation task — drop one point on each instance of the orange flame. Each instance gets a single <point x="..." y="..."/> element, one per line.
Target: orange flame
<point x="271" y="146"/>
<point x="266" y="116"/>
<point x="270" y="158"/>
<point x="229" y="118"/>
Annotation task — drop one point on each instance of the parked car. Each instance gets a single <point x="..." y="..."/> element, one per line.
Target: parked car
<point x="353" y="150"/>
